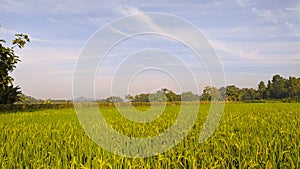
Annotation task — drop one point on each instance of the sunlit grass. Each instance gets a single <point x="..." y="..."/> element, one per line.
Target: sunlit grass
<point x="248" y="136"/>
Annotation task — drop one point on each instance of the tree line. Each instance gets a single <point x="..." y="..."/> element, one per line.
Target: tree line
<point x="163" y="95"/>
<point x="278" y="88"/>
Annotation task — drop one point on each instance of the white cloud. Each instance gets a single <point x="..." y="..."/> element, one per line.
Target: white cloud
<point x="294" y="9"/>
<point x="96" y="20"/>
<point x="290" y="25"/>
<point x="127" y="9"/>
<point x="266" y="13"/>
<point x="297" y="34"/>
<point x="118" y="31"/>
<point x="217" y="3"/>
<point x="282" y="16"/>
<point x="243" y="3"/>
<point x="268" y="53"/>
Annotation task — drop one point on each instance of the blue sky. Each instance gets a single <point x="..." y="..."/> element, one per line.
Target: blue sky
<point x="254" y="40"/>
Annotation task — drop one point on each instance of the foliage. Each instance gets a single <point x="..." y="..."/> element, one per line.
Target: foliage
<point x="47" y="101"/>
<point x="8" y="60"/>
<point x="30" y="100"/>
<point x="262" y="90"/>
<point x="34" y="107"/>
<point x="233" y="93"/>
<point x="159" y="96"/>
<point x="189" y="96"/>
<point x="211" y="94"/>
<point x="279" y="88"/>
<point x="116" y="99"/>
<point x="144" y="97"/>
<point x="162" y="95"/>
<point x="171" y="96"/>
<point x="248" y="136"/>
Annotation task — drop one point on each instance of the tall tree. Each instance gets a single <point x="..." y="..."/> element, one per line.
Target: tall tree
<point x="269" y="90"/>
<point x="262" y="90"/>
<point x="293" y="88"/>
<point x="279" y="90"/>
<point x="8" y="60"/>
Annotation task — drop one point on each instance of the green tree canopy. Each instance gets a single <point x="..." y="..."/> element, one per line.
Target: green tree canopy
<point x="211" y="94"/>
<point x="8" y="60"/>
<point x="262" y="90"/>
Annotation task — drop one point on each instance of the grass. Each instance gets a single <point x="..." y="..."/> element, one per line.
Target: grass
<point x="249" y="136"/>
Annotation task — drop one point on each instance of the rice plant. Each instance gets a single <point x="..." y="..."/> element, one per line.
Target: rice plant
<point x="248" y="136"/>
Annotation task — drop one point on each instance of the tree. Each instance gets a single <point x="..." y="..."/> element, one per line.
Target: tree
<point x="206" y="94"/>
<point x="159" y="96"/>
<point x="262" y="90"/>
<point x="269" y="90"/>
<point x="249" y="94"/>
<point x="278" y="91"/>
<point x="233" y="93"/>
<point x="293" y="88"/>
<point x="141" y="98"/>
<point x="211" y="93"/>
<point x="223" y="95"/>
<point x="8" y="60"/>
<point x="172" y="97"/>
<point x="129" y="97"/>
<point x="115" y="99"/>
<point x="189" y="96"/>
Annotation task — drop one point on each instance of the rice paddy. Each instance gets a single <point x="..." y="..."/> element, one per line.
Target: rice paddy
<point x="253" y="135"/>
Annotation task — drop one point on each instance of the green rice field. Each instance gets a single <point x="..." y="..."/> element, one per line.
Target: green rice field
<point x="249" y="135"/>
